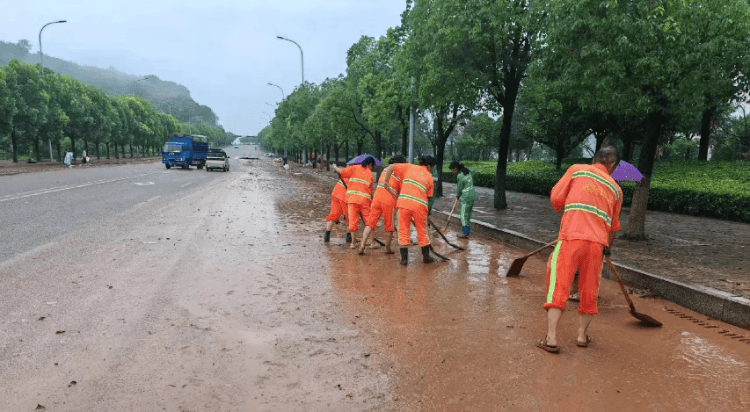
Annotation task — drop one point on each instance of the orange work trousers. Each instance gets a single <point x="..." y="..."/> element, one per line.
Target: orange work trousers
<point x="568" y="257"/>
<point x="405" y="216"/>
<point x="354" y="210"/>
<point x="338" y="208"/>
<point x="376" y="210"/>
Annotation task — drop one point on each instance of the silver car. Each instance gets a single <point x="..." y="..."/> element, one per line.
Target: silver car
<point x="217" y="160"/>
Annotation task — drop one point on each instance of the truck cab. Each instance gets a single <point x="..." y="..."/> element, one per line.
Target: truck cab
<point x="184" y="152"/>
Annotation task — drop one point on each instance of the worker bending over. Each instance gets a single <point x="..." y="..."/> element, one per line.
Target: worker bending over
<point x="416" y="189"/>
<point x="592" y="202"/>
<point x="383" y="203"/>
<point x="358" y="193"/>
<point x="465" y="194"/>
<point x="338" y="208"/>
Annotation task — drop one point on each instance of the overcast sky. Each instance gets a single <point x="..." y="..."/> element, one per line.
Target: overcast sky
<point x="225" y="51"/>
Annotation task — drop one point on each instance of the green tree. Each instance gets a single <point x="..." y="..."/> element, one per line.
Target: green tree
<point x="26" y="89"/>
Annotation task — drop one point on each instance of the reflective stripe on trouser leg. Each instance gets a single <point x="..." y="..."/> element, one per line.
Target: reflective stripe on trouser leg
<point x="561" y="267"/>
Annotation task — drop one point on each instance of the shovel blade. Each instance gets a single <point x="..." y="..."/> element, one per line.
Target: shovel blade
<point x="646" y="319"/>
<point x="515" y="267"/>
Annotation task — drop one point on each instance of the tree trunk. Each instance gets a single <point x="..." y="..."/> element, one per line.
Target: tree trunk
<point x="559" y="154"/>
<point x="328" y="157"/>
<point x="59" y="154"/>
<point x="346" y="153"/>
<point x="627" y="150"/>
<point x="117" y="153"/>
<point x="98" y="150"/>
<point x="636" y="228"/>
<point x="378" y="144"/>
<point x="131" y="150"/>
<point x="14" y="144"/>
<point x="599" y="142"/>
<point x="107" y="144"/>
<point x="706" y="119"/>
<point x="442" y="139"/>
<point x="509" y="106"/>
<point x="36" y="148"/>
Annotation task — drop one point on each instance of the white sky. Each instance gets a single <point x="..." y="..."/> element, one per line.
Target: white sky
<point x="224" y="51"/>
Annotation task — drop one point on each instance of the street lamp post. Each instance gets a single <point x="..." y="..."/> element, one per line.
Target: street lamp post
<point x="302" y="56"/>
<point x="41" y="63"/>
<point x="282" y="90"/>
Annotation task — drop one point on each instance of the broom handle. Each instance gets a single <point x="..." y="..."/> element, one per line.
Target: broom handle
<point x="619" y="281"/>
<point x="450" y="215"/>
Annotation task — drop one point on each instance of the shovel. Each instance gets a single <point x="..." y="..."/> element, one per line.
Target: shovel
<point x="645" y="319"/>
<point x="449" y="218"/>
<point x="517" y="265"/>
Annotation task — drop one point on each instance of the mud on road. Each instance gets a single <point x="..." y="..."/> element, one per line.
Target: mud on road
<point x="232" y="302"/>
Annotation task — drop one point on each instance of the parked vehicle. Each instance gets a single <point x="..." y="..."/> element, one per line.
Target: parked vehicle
<point x="217" y="160"/>
<point x="184" y="152"/>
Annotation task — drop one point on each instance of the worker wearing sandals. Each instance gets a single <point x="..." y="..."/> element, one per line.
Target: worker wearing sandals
<point x="464" y="193"/>
<point x="592" y="202"/>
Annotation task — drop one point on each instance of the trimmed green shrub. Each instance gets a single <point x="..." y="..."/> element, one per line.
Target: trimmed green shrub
<point x="709" y="189"/>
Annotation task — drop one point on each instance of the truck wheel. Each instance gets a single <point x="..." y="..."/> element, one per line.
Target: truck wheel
<point x="167" y="165"/>
<point x="200" y="166"/>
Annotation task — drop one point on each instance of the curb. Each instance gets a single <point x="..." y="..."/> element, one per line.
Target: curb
<point x="716" y="304"/>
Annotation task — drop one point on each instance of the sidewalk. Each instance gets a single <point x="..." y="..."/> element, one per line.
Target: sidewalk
<point x="700" y="263"/>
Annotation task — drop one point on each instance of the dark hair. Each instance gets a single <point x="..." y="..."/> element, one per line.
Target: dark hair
<point x="397" y="159"/>
<point x="369" y="160"/>
<point x="427" y="161"/>
<point x="456" y="165"/>
<point x="607" y="155"/>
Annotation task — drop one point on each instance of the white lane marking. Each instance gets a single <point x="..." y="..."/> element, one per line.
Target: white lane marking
<point x="61" y="188"/>
<point x="22" y="256"/>
<point x="144" y="183"/>
<point x="186" y="184"/>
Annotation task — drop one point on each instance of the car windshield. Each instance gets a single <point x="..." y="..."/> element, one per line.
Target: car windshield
<point x="173" y="147"/>
<point x="216" y="155"/>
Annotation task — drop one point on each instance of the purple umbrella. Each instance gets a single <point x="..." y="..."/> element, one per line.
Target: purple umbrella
<point x="626" y="171"/>
<point x="359" y="159"/>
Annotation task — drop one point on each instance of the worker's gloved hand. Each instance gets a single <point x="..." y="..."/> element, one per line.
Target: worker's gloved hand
<point x="607" y="251"/>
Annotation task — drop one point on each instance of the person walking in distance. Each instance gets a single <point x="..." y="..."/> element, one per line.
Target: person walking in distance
<point x="359" y="193"/>
<point x="383" y="203"/>
<point x="465" y="194"/>
<point x="416" y="189"/>
<point x="338" y="208"/>
<point x="592" y="202"/>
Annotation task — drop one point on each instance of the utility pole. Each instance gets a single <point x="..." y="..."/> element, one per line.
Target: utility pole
<point x="412" y="114"/>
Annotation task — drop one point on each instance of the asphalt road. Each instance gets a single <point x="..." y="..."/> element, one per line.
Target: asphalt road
<point x="38" y="207"/>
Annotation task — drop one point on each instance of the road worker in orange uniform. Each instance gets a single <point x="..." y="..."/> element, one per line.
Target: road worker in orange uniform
<point x="358" y="193"/>
<point x="416" y="189"/>
<point x="338" y="208"/>
<point x="383" y="203"/>
<point x="592" y="202"/>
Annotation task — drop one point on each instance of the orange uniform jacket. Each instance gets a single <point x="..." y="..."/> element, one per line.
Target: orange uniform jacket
<point x="592" y="201"/>
<point x="416" y="187"/>
<point x="339" y="191"/>
<point x="360" y="184"/>
<point x="383" y="196"/>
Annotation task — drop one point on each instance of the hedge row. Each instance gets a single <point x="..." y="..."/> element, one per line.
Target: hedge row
<point x="708" y="189"/>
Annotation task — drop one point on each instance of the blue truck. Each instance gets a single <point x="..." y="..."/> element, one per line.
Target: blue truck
<point x="184" y="152"/>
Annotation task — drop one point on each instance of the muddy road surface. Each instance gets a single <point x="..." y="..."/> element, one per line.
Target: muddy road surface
<point x="223" y="297"/>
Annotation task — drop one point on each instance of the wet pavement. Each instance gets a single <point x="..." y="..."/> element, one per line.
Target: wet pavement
<point x="233" y="302"/>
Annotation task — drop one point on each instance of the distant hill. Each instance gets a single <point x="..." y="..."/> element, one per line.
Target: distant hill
<point x="167" y="96"/>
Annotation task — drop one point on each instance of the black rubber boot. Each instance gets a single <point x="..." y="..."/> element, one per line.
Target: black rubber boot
<point x="426" y="255"/>
<point x="327" y="236"/>
<point x="404" y="256"/>
<point x="349" y="237"/>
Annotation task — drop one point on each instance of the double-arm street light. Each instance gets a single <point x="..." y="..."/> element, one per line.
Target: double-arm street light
<point x="302" y="56"/>
<point x="41" y="63"/>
